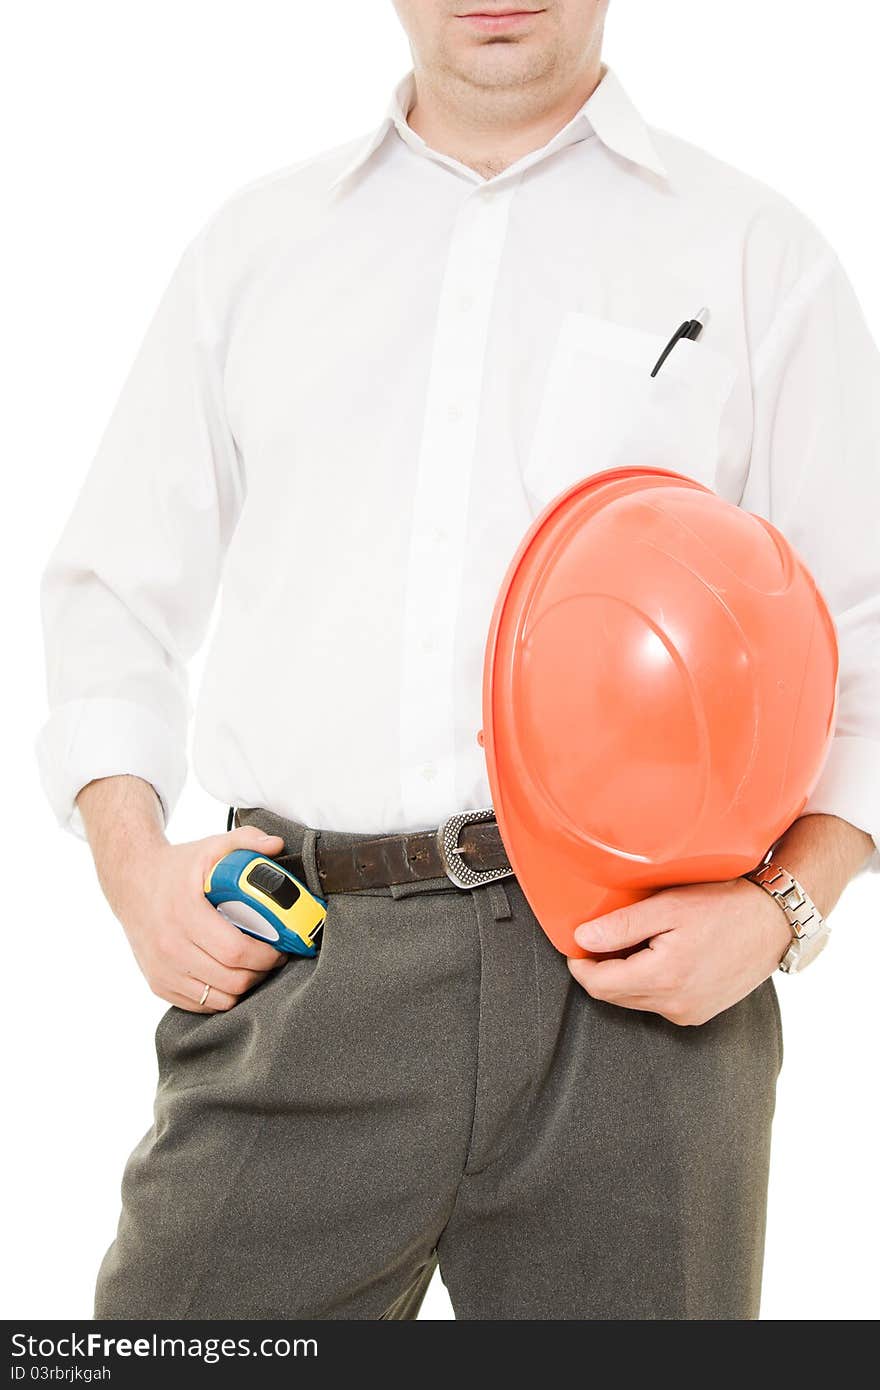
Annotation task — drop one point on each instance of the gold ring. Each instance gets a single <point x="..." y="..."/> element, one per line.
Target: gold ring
<point x="205" y="992"/>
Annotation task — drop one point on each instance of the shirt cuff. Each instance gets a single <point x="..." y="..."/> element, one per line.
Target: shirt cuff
<point x="849" y="787"/>
<point x="87" y="739"/>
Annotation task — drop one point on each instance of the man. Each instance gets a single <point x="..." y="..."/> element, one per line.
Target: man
<point x="366" y="375"/>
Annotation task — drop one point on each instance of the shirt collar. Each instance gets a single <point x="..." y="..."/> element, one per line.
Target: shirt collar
<point x="619" y="125"/>
<point x="608" y="113"/>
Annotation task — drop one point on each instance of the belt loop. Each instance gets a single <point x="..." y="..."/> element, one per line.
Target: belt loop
<point x="499" y="903"/>
<point x="308" y="851"/>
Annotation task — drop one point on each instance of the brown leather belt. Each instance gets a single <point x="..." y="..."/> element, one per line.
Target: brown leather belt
<point x="466" y="849"/>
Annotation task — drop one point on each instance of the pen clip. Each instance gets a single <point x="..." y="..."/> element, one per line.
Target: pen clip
<point x="691" y="329"/>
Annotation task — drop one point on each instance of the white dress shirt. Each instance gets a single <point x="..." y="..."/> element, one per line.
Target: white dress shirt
<point x="367" y="374"/>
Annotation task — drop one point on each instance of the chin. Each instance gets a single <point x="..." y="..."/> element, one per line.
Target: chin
<point x="497" y="64"/>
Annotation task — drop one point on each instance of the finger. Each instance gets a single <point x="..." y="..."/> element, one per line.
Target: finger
<point x="216" y="847"/>
<point x="216" y="1000"/>
<point x="630" y="982"/>
<point x="213" y="933"/>
<point x="250" y="837"/>
<point x="625" y="926"/>
<point x="189" y="992"/>
<point x="227" y="979"/>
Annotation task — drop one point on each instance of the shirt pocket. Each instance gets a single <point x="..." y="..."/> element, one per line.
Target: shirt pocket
<point x="601" y="408"/>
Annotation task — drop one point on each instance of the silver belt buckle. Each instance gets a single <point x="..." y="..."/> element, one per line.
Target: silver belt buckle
<point x="453" y="863"/>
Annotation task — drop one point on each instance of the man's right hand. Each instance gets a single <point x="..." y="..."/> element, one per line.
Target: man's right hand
<point x="156" y="890"/>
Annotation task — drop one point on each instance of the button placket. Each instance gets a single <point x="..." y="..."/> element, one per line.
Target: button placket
<point x="440" y="505"/>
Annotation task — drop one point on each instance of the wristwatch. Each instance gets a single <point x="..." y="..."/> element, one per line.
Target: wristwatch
<point x="810" y="931"/>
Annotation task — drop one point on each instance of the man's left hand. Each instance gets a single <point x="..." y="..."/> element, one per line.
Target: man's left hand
<point x="692" y="951"/>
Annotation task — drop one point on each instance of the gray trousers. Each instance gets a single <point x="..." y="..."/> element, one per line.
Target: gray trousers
<point x="435" y="1086"/>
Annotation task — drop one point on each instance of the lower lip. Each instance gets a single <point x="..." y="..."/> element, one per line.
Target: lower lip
<point x="500" y="23"/>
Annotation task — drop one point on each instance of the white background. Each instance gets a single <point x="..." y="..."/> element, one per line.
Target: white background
<point x="126" y="124"/>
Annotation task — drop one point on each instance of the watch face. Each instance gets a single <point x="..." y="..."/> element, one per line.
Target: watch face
<point x="805" y="950"/>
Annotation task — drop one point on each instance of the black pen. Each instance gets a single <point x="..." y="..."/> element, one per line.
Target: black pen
<point x="691" y="328"/>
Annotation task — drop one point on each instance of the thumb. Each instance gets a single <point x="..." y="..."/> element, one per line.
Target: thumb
<point x="614" y="931"/>
<point x="251" y="837"/>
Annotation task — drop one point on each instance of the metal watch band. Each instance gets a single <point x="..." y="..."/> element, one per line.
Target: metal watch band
<point x="802" y="914"/>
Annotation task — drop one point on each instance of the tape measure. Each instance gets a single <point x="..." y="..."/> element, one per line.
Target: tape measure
<point x="265" y="901"/>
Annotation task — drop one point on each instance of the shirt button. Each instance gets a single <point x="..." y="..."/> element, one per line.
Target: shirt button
<point x="454" y="413"/>
<point x="429" y="772"/>
<point x="466" y="302"/>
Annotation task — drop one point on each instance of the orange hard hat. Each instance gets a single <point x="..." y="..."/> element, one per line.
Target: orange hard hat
<point x="659" y="694"/>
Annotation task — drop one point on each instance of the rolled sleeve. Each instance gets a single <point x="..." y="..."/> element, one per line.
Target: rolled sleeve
<point x="91" y="738"/>
<point x="815" y="473"/>
<point x="128" y="591"/>
<point x="847" y="787"/>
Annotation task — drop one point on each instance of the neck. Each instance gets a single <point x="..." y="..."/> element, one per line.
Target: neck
<point x="489" y="128"/>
